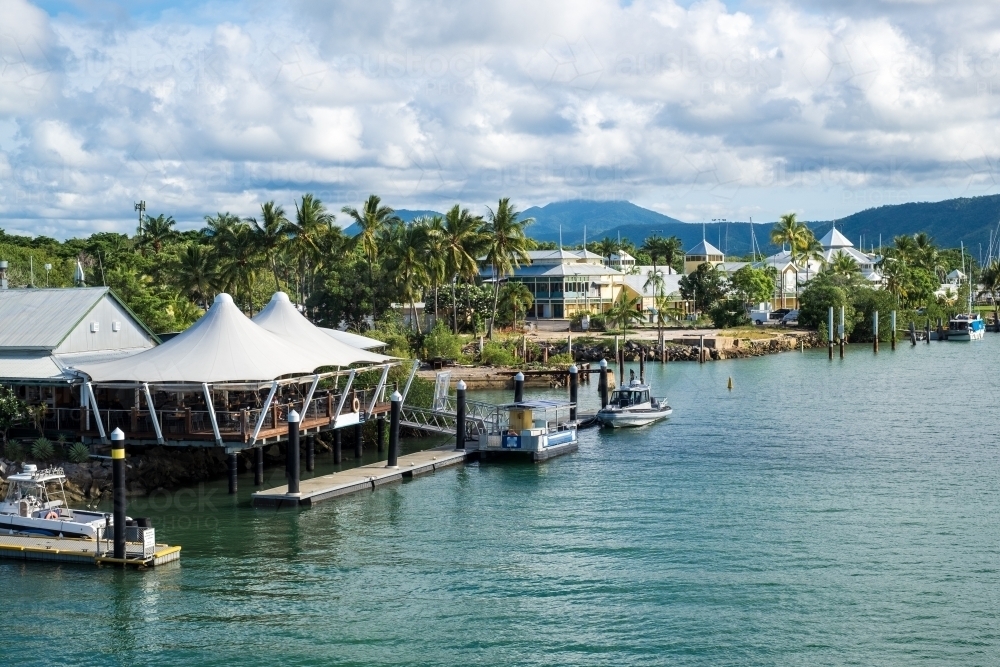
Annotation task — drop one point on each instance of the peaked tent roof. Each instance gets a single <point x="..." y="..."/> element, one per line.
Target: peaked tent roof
<point x="835" y="239"/>
<point x="353" y="339"/>
<point x="704" y="248"/>
<point x="281" y="318"/>
<point x="222" y="346"/>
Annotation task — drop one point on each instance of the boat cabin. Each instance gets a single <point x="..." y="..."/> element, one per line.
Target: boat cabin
<point x="33" y="491"/>
<point x="627" y="397"/>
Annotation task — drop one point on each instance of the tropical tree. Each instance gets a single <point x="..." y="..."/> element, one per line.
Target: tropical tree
<point x="436" y="265"/>
<point x="516" y="296"/>
<point x="751" y="286"/>
<point x="789" y="231"/>
<point x="219" y="224"/>
<point x="240" y="257"/>
<point x="704" y="286"/>
<point x="407" y="257"/>
<point x="157" y="233"/>
<point x="625" y="312"/>
<point x="606" y="247"/>
<point x="272" y="234"/>
<point x="506" y="247"/>
<point x="371" y="220"/>
<point x="197" y="274"/>
<point x="463" y="239"/>
<point x="305" y="237"/>
<point x="654" y="280"/>
<point x="842" y="264"/>
<point x="807" y="252"/>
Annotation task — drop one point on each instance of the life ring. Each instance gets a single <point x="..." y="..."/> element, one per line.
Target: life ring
<point x="52" y="514"/>
<point x="356" y="405"/>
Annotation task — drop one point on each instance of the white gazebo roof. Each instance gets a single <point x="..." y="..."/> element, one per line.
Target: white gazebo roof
<point x="223" y="346"/>
<point x="353" y="339"/>
<point x="956" y="275"/>
<point x="280" y="317"/>
<point x="835" y="239"/>
<point x="703" y="248"/>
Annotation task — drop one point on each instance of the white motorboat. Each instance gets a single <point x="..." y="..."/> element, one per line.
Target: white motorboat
<point x="632" y="406"/>
<point x="35" y="503"/>
<point x="965" y="327"/>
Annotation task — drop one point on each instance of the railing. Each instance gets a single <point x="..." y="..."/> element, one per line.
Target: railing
<point x="477" y="409"/>
<point x="443" y="422"/>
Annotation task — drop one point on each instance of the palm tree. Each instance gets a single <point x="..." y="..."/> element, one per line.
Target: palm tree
<point x="240" y="258"/>
<point x="462" y="235"/>
<point x="371" y="220"/>
<point x="407" y="250"/>
<point x="789" y="231"/>
<point x="312" y="223"/>
<point x="435" y="263"/>
<point x="507" y="246"/>
<point x="607" y="247"/>
<point x="517" y="296"/>
<point x="810" y="251"/>
<point x="272" y="234"/>
<point x="219" y="224"/>
<point x="157" y="232"/>
<point x="654" y="279"/>
<point x="625" y="311"/>
<point x="842" y="264"/>
<point x="197" y="275"/>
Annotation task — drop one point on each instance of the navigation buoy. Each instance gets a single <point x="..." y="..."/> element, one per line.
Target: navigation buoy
<point x="730" y="383"/>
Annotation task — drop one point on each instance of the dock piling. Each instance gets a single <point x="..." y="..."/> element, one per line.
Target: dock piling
<point x="927" y="331"/>
<point x="621" y="366"/>
<point x="396" y="407"/>
<point x="829" y="331"/>
<point x="875" y="331"/>
<point x="913" y="333"/>
<point x="602" y="383"/>
<point x="460" y="415"/>
<point x="573" y="390"/>
<point x="293" y="452"/>
<point x="519" y="387"/>
<point x="118" y="482"/>
<point x="310" y="453"/>
<point x="233" y="465"/>
<point x="892" y="323"/>
<point x="940" y="331"/>
<point x="358" y="443"/>
<point x="841" y="331"/>
<point x="701" y="349"/>
<point x="258" y="466"/>
<point x="337" y="443"/>
<point x="642" y="366"/>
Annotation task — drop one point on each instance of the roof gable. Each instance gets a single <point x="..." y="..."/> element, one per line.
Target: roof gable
<point x="40" y="319"/>
<point x="704" y="248"/>
<point x="835" y="239"/>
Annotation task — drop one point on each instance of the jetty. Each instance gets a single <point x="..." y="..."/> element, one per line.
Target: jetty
<point x="363" y="478"/>
<point x="71" y="550"/>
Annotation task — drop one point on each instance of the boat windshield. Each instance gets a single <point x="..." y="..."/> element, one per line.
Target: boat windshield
<point x="624" y="398"/>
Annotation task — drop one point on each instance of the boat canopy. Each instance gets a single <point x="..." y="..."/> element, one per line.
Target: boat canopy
<point x="223" y="346"/>
<point x="280" y="317"/>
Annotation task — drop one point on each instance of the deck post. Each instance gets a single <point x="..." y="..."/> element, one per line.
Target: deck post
<point x="701" y="349"/>
<point x="829" y="331"/>
<point x="892" y="324"/>
<point x="602" y="383"/>
<point x="337" y="440"/>
<point x="460" y="415"/>
<point x="258" y="468"/>
<point x="358" y="445"/>
<point x="913" y="334"/>
<point x="380" y="434"/>
<point x="875" y="330"/>
<point x="642" y="365"/>
<point x="293" y="452"/>
<point x="927" y="331"/>
<point x="310" y="453"/>
<point x="396" y="402"/>
<point x="233" y="465"/>
<point x="841" y="332"/>
<point x="574" y="383"/>
<point x="118" y="482"/>
<point x="519" y="387"/>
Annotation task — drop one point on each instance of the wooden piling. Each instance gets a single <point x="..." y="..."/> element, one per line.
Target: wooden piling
<point x="913" y="334"/>
<point x="701" y="349"/>
<point x="875" y="331"/>
<point x="310" y="453"/>
<point x="892" y="323"/>
<point x="829" y="331"/>
<point x="258" y="466"/>
<point x="338" y="439"/>
<point x="232" y="464"/>
<point x="842" y="332"/>
<point x="927" y="331"/>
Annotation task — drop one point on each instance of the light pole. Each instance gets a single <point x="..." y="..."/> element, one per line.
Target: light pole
<point x="48" y="267"/>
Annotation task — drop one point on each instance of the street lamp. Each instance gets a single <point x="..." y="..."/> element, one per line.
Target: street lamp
<point x="48" y="267"/>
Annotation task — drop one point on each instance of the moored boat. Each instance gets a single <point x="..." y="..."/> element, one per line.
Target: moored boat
<point x="966" y="326"/>
<point x="633" y="406"/>
<point x="35" y="503"/>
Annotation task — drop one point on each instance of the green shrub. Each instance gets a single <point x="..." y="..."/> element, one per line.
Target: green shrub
<point x="13" y="451"/>
<point x="598" y="323"/>
<point x="495" y="354"/>
<point x="78" y="453"/>
<point x="563" y="359"/>
<point x="441" y="342"/>
<point x="728" y="313"/>
<point x="42" y="449"/>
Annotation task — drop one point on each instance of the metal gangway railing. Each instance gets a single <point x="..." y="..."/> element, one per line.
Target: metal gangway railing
<point x="444" y="423"/>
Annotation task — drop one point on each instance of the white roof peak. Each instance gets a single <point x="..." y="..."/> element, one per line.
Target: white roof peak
<point x="834" y="239"/>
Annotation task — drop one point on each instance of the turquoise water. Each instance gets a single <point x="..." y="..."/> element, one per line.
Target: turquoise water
<point x="820" y="513"/>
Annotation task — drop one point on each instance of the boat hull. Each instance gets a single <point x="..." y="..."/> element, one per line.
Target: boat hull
<point x="51" y="527"/>
<point x="631" y="419"/>
<point x="964" y="336"/>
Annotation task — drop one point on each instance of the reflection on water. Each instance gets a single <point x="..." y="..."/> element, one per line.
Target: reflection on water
<point x="821" y="512"/>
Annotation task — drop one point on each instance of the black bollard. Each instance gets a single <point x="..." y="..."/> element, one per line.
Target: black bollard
<point x="602" y="383"/>
<point x="460" y="415"/>
<point x="358" y="444"/>
<point x="118" y="481"/>
<point x="519" y="387"/>
<point x="233" y="470"/>
<point x="337" y="439"/>
<point x="258" y="466"/>
<point x="829" y="332"/>
<point x="892" y="326"/>
<point x="293" y="452"/>
<point x="875" y="331"/>
<point x="573" y="390"/>
<point x="380" y="431"/>
<point x="913" y="333"/>
<point x="394" y="410"/>
<point x="927" y="331"/>
<point x="642" y="366"/>
<point x="310" y="453"/>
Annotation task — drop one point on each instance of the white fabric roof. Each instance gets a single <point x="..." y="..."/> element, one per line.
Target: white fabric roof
<point x="223" y="346"/>
<point x="280" y="317"/>
<point x="353" y="339"/>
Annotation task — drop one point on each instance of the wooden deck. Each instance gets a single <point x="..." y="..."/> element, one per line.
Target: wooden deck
<point x="71" y="550"/>
<point x="363" y="478"/>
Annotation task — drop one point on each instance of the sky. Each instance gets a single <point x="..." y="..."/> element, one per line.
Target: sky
<point x="699" y="110"/>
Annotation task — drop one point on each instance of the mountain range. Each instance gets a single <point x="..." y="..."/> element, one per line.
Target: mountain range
<point x="972" y="221"/>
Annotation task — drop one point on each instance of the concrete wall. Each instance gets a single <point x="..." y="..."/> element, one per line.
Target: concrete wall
<point x="107" y="312"/>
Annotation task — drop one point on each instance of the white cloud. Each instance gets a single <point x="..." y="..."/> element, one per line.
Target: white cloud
<point x="697" y="110"/>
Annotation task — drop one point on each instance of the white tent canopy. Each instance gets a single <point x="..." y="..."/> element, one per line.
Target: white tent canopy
<point x="281" y="318"/>
<point x="223" y="346"/>
<point x="353" y="339"/>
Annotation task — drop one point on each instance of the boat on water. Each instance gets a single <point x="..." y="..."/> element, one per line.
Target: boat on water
<point x="633" y="406"/>
<point x="534" y="429"/>
<point x="966" y="326"/>
<point x="35" y="503"/>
